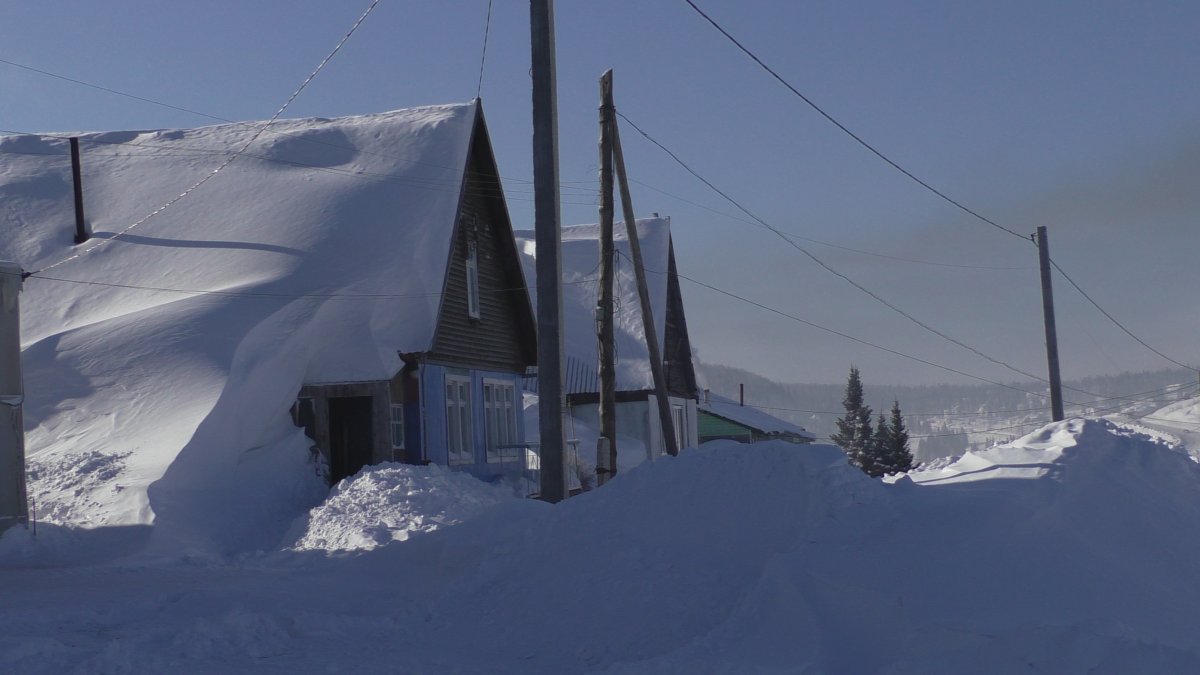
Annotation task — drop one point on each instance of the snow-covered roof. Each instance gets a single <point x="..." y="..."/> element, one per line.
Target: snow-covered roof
<point x="748" y="416"/>
<point x="316" y="256"/>
<point x="580" y="274"/>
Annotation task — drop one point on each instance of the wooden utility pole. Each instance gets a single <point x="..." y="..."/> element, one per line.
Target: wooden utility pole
<point x="81" y="233"/>
<point x="635" y="251"/>
<point x="548" y="238"/>
<point x="606" y="445"/>
<point x="14" y="508"/>
<point x="1056" y="400"/>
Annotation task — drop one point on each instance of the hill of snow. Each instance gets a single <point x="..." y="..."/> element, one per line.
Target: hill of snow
<point x="1071" y="550"/>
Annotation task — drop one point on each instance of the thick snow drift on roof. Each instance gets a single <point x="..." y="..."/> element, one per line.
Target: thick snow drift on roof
<point x="749" y="416"/>
<point x="324" y="249"/>
<point x="726" y="559"/>
<point x="580" y="274"/>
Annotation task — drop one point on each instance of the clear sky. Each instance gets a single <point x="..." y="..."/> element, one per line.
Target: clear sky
<point x="1081" y="116"/>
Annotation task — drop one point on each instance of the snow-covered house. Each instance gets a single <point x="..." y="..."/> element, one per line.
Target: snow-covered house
<point x="365" y="265"/>
<point x="724" y="418"/>
<point x="638" y="425"/>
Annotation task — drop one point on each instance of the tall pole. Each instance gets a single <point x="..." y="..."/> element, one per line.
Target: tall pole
<point x="1056" y="400"/>
<point x="14" y="508"/>
<point x="635" y="251"/>
<point x="81" y="233"/>
<point x="606" y="448"/>
<point x="548" y="238"/>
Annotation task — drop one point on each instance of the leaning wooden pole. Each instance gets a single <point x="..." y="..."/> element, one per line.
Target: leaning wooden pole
<point x="635" y="251"/>
<point x="548" y="237"/>
<point x="606" y="445"/>
<point x="1056" y="399"/>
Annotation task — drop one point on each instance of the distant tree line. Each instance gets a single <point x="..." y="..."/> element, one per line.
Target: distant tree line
<point x="880" y="450"/>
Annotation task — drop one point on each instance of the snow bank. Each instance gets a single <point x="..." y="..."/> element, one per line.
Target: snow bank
<point x="1071" y="550"/>
<point x="391" y="502"/>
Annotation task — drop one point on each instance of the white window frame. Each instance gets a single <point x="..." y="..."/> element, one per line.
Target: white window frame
<point x="397" y="425"/>
<point x="473" y="280"/>
<point x="679" y="421"/>
<point x="460" y="427"/>
<point x="500" y="419"/>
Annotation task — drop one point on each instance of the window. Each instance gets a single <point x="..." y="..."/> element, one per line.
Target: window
<point x="460" y="440"/>
<point x="500" y="418"/>
<point x="397" y="426"/>
<point x="472" y="280"/>
<point x="678" y="417"/>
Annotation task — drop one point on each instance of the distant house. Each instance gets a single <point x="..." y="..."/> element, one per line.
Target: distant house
<point x="725" y="418"/>
<point x="638" y="422"/>
<point x="457" y="399"/>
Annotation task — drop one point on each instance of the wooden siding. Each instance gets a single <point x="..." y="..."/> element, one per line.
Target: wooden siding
<point x="496" y="340"/>
<point x="677" y="351"/>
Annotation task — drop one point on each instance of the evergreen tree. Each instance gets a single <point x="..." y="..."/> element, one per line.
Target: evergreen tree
<point x="875" y="461"/>
<point x="899" y="456"/>
<point x="854" y="435"/>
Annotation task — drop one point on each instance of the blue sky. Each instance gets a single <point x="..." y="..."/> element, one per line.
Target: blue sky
<point x="1080" y="116"/>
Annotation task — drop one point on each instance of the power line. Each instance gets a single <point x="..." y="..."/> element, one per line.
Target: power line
<point x="1118" y="324"/>
<point x="847" y="336"/>
<point x="230" y="160"/>
<point x="487" y="28"/>
<point x="284" y="296"/>
<point x="912" y="176"/>
<point x="825" y="265"/>
<point x="847" y="131"/>
<point x="827" y="243"/>
<point x="218" y="118"/>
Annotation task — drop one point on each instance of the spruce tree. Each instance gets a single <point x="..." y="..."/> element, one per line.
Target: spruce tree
<point x="854" y="434"/>
<point x="899" y="456"/>
<point x="876" y="458"/>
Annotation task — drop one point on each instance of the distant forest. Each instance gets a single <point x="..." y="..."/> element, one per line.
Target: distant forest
<point x="953" y="418"/>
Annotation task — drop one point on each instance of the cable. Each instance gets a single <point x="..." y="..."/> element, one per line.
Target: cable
<point x="225" y="119"/>
<point x="1118" y="324"/>
<point x="227" y="162"/>
<point x="826" y="266"/>
<point x="841" y="334"/>
<point x="487" y="28"/>
<point x="430" y="183"/>
<point x="826" y="243"/>
<point x="847" y="131"/>
<point x="286" y="296"/>
<point x="920" y="182"/>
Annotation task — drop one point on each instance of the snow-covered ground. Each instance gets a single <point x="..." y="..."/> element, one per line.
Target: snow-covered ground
<point x="1071" y="550"/>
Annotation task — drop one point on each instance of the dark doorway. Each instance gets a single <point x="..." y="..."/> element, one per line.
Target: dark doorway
<point x="350" y="438"/>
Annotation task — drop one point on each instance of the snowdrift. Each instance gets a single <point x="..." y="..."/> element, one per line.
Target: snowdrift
<point x="314" y="257"/>
<point x="1071" y="550"/>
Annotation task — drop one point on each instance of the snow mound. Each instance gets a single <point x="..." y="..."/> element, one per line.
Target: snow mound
<point x="391" y="502"/>
<point x="1069" y="551"/>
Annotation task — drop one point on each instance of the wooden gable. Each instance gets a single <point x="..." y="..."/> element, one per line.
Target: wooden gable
<point x="677" y="348"/>
<point x="503" y="337"/>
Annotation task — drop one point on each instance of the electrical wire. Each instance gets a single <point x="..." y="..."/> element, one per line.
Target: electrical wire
<point x="846" y="129"/>
<point x="1111" y="318"/>
<point x="828" y="267"/>
<point x="487" y="28"/>
<point x="827" y="243"/>
<point x="254" y="137"/>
